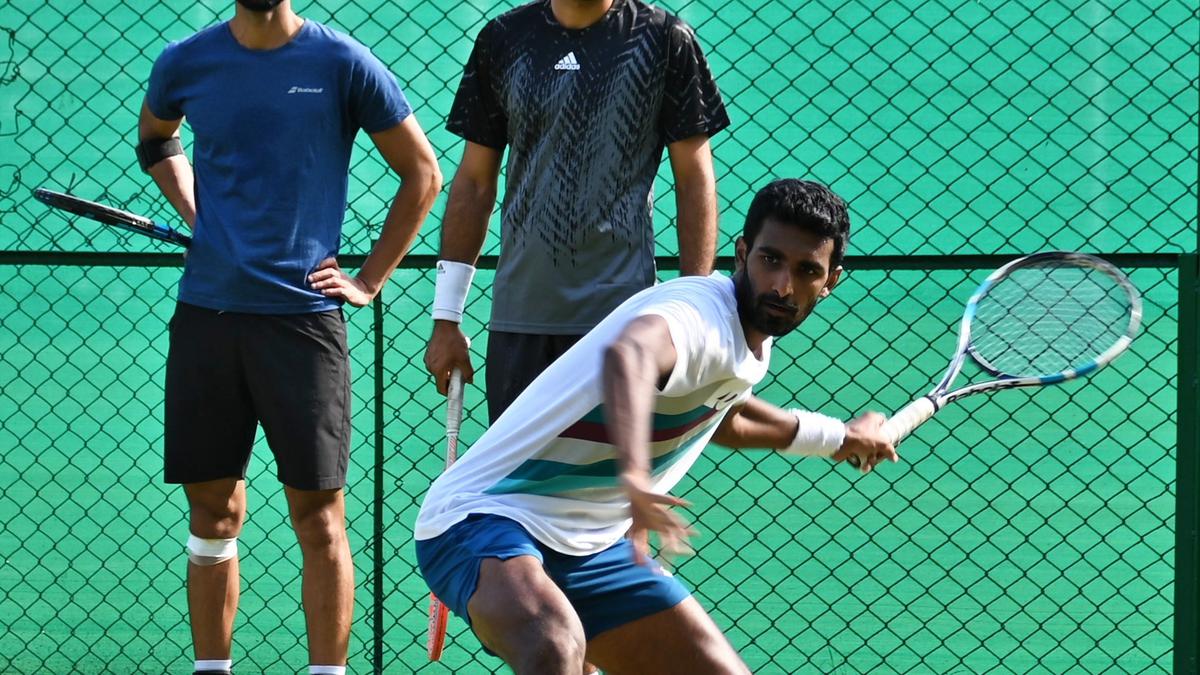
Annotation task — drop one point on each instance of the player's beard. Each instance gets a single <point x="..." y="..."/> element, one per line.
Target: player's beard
<point x="753" y="309"/>
<point x="260" y="5"/>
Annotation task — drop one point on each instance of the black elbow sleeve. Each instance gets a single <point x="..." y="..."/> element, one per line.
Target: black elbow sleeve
<point x="151" y="151"/>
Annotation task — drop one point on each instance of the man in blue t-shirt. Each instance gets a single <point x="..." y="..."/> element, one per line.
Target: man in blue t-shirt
<point x="274" y="103"/>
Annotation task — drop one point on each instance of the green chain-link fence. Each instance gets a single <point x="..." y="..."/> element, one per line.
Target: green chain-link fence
<point x="1032" y="532"/>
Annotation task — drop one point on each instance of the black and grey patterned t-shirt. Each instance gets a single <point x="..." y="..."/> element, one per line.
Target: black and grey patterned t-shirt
<point x="585" y="115"/>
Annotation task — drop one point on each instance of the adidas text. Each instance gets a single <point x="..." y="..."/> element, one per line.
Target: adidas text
<point x="567" y="62"/>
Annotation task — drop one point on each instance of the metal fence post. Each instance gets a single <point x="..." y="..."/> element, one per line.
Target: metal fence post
<point x="377" y="501"/>
<point x="1187" y="481"/>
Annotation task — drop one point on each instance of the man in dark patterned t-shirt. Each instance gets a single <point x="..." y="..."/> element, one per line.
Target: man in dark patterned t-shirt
<point x="585" y="94"/>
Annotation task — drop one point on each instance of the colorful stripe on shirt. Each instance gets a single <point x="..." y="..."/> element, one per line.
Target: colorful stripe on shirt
<point x="664" y="427"/>
<point x="673" y="436"/>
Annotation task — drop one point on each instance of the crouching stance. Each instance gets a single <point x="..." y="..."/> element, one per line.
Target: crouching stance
<point x="538" y="536"/>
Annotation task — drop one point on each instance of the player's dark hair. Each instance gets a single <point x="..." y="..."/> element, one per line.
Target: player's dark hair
<point x="803" y="203"/>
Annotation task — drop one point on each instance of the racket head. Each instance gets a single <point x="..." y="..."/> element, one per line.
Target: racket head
<point x="1040" y="319"/>
<point x="108" y="215"/>
<point x="1050" y="317"/>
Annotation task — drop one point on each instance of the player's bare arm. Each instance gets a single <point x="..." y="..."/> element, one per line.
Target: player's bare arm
<point x="695" y="204"/>
<point x="408" y="153"/>
<point x="634" y="365"/>
<point x="172" y="174"/>
<point x="758" y="424"/>
<point x="464" y="228"/>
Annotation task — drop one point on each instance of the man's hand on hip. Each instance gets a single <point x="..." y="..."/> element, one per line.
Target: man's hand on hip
<point x="332" y="282"/>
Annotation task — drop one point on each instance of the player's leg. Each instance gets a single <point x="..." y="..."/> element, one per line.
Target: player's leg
<point x="514" y="360"/>
<point x="299" y="378"/>
<point x="217" y="510"/>
<point x="520" y="614"/>
<point x="209" y="430"/>
<point x="319" y="518"/>
<point x="488" y="570"/>
<point x="639" y="618"/>
<point x="682" y="639"/>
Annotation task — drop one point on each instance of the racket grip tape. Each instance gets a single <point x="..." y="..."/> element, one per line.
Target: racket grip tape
<point x="911" y="416"/>
<point x="454" y="403"/>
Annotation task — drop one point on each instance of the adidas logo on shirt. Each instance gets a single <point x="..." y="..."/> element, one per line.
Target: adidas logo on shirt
<point x="567" y="62"/>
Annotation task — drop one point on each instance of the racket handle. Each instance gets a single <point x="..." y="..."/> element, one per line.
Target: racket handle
<point x="900" y="425"/>
<point x="454" y="408"/>
<point x="454" y="403"/>
<point x="439" y="613"/>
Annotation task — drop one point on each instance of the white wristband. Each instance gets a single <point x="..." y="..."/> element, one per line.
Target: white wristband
<point x="450" y="290"/>
<point x="817" y="435"/>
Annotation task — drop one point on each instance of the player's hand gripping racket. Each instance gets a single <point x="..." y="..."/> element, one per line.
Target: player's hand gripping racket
<point x="439" y="614"/>
<point x="110" y="216"/>
<point x="1042" y="319"/>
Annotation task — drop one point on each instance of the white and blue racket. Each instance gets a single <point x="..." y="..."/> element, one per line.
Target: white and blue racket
<point x="1041" y="319"/>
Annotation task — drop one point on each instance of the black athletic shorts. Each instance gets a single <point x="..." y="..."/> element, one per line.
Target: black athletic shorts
<point x="227" y="372"/>
<point x="514" y="360"/>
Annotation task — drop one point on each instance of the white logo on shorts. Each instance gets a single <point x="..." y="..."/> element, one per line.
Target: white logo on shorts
<point x="306" y="90"/>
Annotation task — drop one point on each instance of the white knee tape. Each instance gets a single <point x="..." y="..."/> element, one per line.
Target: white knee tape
<point x="207" y="552"/>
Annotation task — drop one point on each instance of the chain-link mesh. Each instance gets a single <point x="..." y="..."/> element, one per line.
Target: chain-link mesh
<point x="1029" y="532"/>
<point x="951" y="127"/>
<point x="93" y="572"/>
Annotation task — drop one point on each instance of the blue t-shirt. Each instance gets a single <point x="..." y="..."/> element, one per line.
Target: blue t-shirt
<point x="273" y="131"/>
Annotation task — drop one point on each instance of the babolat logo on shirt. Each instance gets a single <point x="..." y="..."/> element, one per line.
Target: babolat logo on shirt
<point x="306" y="90"/>
<point x="567" y="62"/>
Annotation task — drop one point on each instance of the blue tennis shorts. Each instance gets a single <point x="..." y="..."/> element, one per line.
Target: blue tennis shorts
<point x="607" y="589"/>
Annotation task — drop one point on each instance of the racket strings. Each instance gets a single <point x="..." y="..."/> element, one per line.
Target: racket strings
<point x="1046" y="319"/>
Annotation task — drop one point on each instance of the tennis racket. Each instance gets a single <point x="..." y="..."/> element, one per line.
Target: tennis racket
<point x="110" y="216"/>
<point x="1041" y="319"/>
<point x="439" y="614"/>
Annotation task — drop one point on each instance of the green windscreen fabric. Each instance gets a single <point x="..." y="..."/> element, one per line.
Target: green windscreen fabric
<point x="1026" y="532"/>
